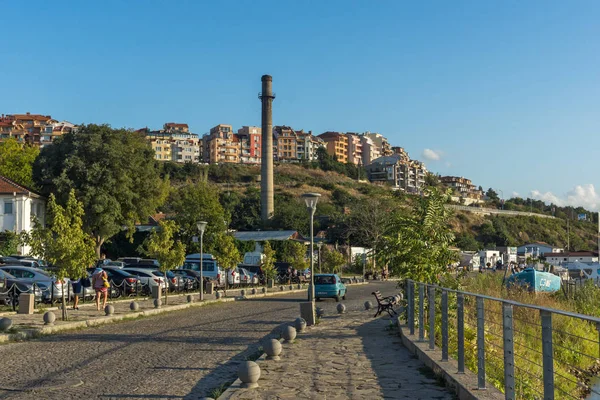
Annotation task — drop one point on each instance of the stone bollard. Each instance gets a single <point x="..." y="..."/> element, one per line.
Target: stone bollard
<point x="189" y="298"/>
<point x="289" y="334"/>
<point x="320" y="312"/>
<point x="242" y="293"/>
<point x="291" y="287"/>
<point x="273" y="349"/>
<point x="253" y="291"/>
<point x="134" y="306"/>
<point x="281" y="288"/>
<point x="249" y="373"/>
<point x="217" y="295"/>
<point x="368" y="305"/>
<point x="109" y="310"/>
<point x="299" y="286"/>
<point x="49" y="318"/>
<point x="341" y="308"/>
<point x="300" y="325"/>
<point x="264" y="290"/>
<point x="270" y="283"/>
<point x="157" y="303"/>
<point x="5" y="324"/>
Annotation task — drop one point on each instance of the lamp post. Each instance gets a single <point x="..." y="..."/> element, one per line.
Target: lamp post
<point x="319" y="245"/>
<point x="311" y="200"/>
<point x="501" y="201"/>
<point x="201" y="227"/>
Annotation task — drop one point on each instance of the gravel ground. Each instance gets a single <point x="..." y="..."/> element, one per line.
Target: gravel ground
<point x="179" y="355"/>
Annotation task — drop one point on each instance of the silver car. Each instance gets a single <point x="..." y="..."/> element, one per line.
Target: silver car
<point x="50" y="287"/>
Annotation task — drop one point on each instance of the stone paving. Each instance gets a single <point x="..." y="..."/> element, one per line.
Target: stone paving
<point x="352" y="356"/>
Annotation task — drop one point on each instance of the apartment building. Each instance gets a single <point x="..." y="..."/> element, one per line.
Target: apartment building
<point x="385" y="149"/>
<point x="250" y="144"/>
<point x="336" y="144"/>
<point x="287" y="145"/>
<point x="355" y="149"/>
<point x="370" y="151"/>
<point x="26" y="128"/>
<point x="307" y="145"/>
<point x="462" y="187"/>
<point x="398" y="172"/>
<point x="174" y="143"/>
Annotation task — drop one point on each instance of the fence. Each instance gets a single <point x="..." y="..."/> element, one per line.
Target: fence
<point x="527" y="351"/>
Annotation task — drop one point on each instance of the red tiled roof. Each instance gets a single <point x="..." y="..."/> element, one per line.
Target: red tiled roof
<point x="8" y="186"/>
<point x="176" y="125"/>
<point x="35" y="117"/>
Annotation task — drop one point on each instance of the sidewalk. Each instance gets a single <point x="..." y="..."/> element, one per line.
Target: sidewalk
<point x="352" y="356"/>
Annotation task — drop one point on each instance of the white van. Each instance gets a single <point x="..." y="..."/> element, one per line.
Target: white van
<point x="210" y="268"/>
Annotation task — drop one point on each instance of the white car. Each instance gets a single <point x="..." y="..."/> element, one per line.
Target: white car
<point x="246" y="277"/>
<point x="233" y="277"/>
<point x="147" y="277"/>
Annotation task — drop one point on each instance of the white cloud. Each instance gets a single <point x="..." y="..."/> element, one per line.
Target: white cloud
<point x="515" y="194"/>
<point x="580" y="196"/>
<point x="432" y="155"/>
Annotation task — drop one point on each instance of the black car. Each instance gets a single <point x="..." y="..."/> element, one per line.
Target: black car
<point x="192" y="276"/>
<point x="11" y="287"/>
<point x="122" y="282"/>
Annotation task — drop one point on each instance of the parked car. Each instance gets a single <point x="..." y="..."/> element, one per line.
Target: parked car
<point x="139" y="261"/>
<point x="210" y="269"/>
<point x="257" y="271"/>
<point x="233" y="277"/>
<point x="147" y="277"/>
<point x="191" y="275"/>
<point x="123" y="282"/>
<point x="246" y="277"/>
<point x="49" y="286"/>
<point x="176" y="282"/>
<point x="329" y="286"/>
<point x="11" y="287"/>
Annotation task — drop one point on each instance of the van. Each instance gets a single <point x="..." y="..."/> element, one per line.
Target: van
<point x="210" y="268"/>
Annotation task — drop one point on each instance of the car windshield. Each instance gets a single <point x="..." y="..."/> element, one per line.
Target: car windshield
<point x="324" y="280"/>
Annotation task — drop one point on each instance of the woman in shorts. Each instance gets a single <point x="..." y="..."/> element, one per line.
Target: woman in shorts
<point x="100" y="285"/>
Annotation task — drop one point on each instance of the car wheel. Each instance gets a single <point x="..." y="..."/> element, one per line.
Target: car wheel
<point x="344" y="296"/>
<point x="337" y="297"/>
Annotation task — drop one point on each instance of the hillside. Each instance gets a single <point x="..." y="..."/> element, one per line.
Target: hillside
<point x="240" y="183"/>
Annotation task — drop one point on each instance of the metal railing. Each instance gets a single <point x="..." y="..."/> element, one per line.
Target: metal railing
<point x="527" y="351"/>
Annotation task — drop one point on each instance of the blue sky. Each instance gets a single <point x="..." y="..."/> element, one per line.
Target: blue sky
<point x="507" y="93"/>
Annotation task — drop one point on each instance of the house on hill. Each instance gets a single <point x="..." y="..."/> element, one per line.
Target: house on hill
<point x="18" y="205"/>
<point x="537" y="249"/>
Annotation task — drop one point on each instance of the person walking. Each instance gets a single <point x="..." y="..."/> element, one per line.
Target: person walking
<point x="77" y="287"/>
<point x="100" y="285"/>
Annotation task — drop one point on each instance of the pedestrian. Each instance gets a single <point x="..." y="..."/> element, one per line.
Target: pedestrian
<point x="77" y="286"/>
<point x="100" y="285"/>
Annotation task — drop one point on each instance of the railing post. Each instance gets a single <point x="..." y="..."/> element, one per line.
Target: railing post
<point x="410" y="289"/>
<point x="509" y="355"/>
<point x="421" y="313"/>
<point x="431" y="302"/>
<point x="460" y="322"/>
<point x="547" y="354"/>
<point x="444" y="325"/>
<point x="480" y="345"/>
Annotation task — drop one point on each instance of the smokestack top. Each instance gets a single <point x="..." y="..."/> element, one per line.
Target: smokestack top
<point x="266" y="78"/>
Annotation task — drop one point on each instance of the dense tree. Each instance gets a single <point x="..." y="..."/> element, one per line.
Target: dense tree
<point x="9" y="243"/>
<point x="16" y="161"/>
<point x="291" y="213"/>
<point x="227" y="254"/>
<point x="295" y="254"/>
<point x="466" y="242"/>
<point x="432" y="180"/>
<point x="417" y="245"/>
<point x="332" y="260"/>
<point x="162" y="246"/>
<point x="268" y="265"/>
<point x="244" y="209"/>
<point x="113" y="173"/>
<point x="62" y="242"/>
<point x="199" y="202"/>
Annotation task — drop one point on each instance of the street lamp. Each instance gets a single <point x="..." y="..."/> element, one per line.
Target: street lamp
<point x="201" y="227"/>
<point x="319" y="245"/>
<point x="502" y="201"/>
<point x="311" y="200"/>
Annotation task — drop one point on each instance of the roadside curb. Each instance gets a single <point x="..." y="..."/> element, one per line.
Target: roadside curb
<point x="32" y="333"/>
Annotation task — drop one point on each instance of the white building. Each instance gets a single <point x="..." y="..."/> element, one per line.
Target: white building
<point x="18" y="205"/>
<point x="489" y="256"/>
<point x="558" y="259"/>
<point x="537" y="249"/>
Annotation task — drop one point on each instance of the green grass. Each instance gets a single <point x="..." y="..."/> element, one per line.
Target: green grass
<point x="215" y="393"/>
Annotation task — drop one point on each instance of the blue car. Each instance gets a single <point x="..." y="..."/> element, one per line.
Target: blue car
<point x="329" y="286"/>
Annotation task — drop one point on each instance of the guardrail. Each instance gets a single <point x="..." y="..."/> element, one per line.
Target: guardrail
<point x="528" y="351"/>
<point x="485" y="211"/>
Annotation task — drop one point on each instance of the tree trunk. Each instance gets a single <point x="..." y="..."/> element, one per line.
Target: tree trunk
<point x="167" y="288"/>
<point x="99" y="243"/>
<point x="65" y="316"/>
